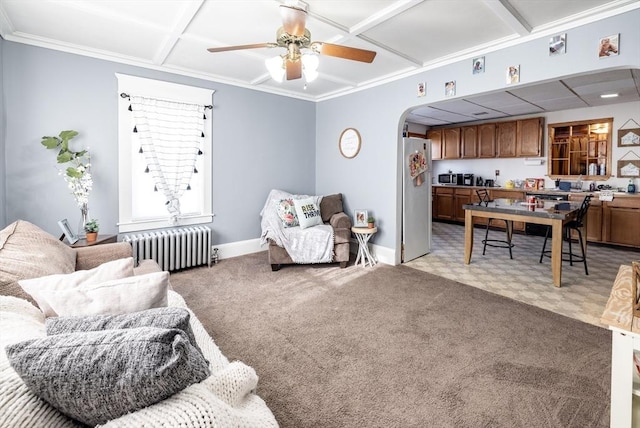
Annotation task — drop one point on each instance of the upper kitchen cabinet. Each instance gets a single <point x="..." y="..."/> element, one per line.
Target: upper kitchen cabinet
<point x="469" y="143"/>
<point x="580" y="148"/>
<point x="435" y="135"/>
<point x="519" y="138"/>
<point x="487" y="140"/>
<point x="506" y="133"/>
<point x="529" y="137"/>
<point x="451" y="143"/>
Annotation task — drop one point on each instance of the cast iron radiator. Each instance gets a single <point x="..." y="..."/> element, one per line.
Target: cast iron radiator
<point x="173" y="249"/>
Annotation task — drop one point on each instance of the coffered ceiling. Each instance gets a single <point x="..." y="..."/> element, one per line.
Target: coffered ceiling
<point x="173" y="35"/>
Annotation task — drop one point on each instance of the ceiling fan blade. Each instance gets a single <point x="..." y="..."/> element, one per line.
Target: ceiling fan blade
<point x="345" y="52"/>
<point x="240" y="47"/>
<point x="293" y="20"/>
<point x="294" y="69"/>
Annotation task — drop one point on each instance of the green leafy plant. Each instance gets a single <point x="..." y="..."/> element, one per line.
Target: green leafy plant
<point x="92" y="226"/>
<point x="370" y="219"/>
<point x="78" y="173"/>
<point x="65" y="154"/>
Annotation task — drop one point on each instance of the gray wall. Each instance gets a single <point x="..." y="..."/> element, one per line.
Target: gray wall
<point x="3" y="198"/>
<point x="372" y="179"/>
<point x="260" y="141"/>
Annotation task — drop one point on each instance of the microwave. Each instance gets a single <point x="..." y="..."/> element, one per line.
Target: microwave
<point x="457" y="179"/>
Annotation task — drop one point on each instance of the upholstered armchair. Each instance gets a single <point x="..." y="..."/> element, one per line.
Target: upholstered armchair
<point x="332" y="214"/>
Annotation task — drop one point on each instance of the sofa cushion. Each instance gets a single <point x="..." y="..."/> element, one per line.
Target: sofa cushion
<point x="287" y="212"/>
<point x="308" y="212"/>
<point x="330" y="205"/>
<point x="26" y="251"/>
<point x="156" y="317"/>
<point x="100" y="375"/>
<point x="116" y="269"/>
<point x="118" y="296"/>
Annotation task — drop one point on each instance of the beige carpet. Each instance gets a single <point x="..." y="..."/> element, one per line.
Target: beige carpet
<point x="397" y="347"/>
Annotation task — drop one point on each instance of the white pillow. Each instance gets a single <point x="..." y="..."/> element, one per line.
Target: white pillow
<point x="119" y="296"/>
<point x="308" y="212"/>
<point x="116" y="269"/>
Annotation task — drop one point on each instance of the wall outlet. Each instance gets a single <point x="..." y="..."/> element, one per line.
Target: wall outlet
<point x="497" y="172"/>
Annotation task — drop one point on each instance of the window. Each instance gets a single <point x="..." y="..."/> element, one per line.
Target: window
<point x="141" y="205"/>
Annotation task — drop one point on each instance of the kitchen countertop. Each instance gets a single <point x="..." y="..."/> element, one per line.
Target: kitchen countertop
<point x="545" y="191"/>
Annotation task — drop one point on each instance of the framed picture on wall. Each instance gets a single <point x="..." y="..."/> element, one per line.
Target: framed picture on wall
<point x="477" y="65"/>
<point x="558" y="44"/>
<point x="513" y="74"/>
<point x="360" y="218"/>
<point x="609" y="46"/>
<point x="450" y="88"/>
<point x="72" y="238"/>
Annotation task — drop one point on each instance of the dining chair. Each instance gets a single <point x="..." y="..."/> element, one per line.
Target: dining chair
<point x="483" y="196"/>
<point x="574" y="225"/>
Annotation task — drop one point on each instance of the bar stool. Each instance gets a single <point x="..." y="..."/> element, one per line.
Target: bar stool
<point x="483" y="195"/>
<point x="576" y="224"/>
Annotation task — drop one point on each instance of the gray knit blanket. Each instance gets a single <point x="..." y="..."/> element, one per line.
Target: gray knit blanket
<point x="224" y="399"/>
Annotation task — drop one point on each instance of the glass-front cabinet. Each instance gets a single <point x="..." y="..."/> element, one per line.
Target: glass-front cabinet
<point x="580" y="149"/>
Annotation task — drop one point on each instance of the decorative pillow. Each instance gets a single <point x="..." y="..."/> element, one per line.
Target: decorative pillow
<point x="100" y="375"/>
<point x="157" y="317"/>
<point x="116" y="269"/>
<point x="308" y="212"/>
<point x="330" y="205"/>
<point x="119" y="296"/>
<point x="287" y="212"/>
<point x="26" y="251"/>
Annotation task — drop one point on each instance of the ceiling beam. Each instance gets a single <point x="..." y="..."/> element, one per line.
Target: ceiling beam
<point x="190" y="10"/>
<point x="383" y="15"/>
<point x="6" y="27"/>
<point x="509" y="15"/>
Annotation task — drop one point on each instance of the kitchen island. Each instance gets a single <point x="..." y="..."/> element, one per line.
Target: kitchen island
<point x="610" y="222"/>
<point x="550" y="213"/>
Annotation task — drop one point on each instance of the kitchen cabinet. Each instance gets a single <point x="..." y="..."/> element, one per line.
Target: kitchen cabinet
<point x="516" y="138"/>
<point x="469" y="142"/>
<point x="435" y="135"/>
<point x="451" y="143"/>
<point x="443" y="207"/>
<point x="580" y="148"/>
<point x="506" y="134"/>
<point x="448" y="202"/>
<point x="461" y="197"/>
<point x="487" y="140"/>
<point x="594" y="218"/>
<point x="620" y="220"/>
<point x="529" y="137"/>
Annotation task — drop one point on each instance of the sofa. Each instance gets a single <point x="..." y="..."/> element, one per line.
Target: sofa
<point x="278" y="236"/>
<point x="223" y="393"/>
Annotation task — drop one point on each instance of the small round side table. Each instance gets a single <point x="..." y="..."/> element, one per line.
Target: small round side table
<point x="363" y="234"/>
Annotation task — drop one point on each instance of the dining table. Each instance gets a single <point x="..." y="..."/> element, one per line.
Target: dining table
<point x="551" y="213"/>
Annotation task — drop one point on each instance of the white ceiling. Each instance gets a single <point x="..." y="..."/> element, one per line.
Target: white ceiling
<point x="173" y="35"/>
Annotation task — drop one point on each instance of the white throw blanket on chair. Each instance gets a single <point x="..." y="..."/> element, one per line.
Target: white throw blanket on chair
<point x="311" y="245"/>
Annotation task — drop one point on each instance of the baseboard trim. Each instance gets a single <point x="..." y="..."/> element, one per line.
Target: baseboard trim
<point x="240" y="248"/>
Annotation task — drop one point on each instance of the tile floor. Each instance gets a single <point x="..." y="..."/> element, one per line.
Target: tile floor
<point x="523" y="278"/>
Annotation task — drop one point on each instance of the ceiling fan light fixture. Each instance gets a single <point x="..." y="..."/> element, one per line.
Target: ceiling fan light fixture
<point x="310" y="63"/>
<point x="275" y="66"/>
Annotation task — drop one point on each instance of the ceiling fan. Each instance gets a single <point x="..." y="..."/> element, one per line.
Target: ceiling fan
<point x="294" y="36"/>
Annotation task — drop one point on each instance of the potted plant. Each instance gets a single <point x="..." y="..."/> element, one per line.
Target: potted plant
<point x="91" y="229"/>
<point x="371" y="222"/>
